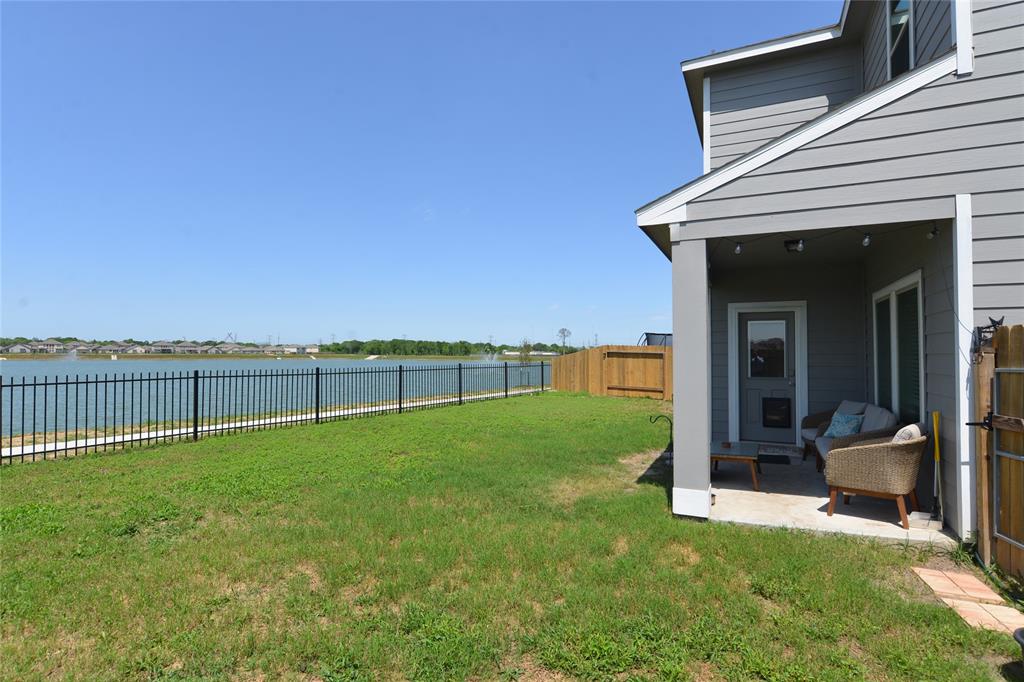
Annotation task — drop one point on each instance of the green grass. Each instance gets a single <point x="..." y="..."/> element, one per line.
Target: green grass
<point x="500" y="540"/>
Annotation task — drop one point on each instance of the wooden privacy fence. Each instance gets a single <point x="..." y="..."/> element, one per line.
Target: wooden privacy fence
<point x="999" y="385"/>
<point x="624" y="371"/>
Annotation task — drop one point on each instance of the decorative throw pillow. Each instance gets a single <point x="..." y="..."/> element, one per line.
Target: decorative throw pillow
<point x="909" y="432"/>
<point x="844" y="425"/>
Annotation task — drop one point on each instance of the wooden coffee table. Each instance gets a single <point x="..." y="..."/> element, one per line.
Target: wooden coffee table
<point x="737" y="452"/>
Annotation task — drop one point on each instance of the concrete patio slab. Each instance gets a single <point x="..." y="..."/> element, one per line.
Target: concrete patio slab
<point x="795" y="496"/>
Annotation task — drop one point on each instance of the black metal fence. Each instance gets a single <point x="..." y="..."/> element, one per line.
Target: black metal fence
<point x="46" y="417"/>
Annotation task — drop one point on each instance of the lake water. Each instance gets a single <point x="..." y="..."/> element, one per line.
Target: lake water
<point x="91" y="395"/>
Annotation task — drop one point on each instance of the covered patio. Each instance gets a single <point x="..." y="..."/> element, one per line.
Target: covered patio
<point x="797" y="324"/>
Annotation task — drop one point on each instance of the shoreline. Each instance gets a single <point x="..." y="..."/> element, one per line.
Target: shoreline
<point x="52" y="357"/>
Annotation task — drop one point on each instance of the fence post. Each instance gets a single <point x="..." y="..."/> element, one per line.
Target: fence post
<point x="541" y="376"/>
<point x="506" y="378"/>
<point x="195" y="404"/>
<point x="460" y="383"/>
<point x="399" y="389"/>
<point x="317" y="395"/>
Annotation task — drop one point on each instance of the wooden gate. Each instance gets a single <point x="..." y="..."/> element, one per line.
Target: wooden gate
<point x="1000" y="402"/>
<point x="626" y="371"/>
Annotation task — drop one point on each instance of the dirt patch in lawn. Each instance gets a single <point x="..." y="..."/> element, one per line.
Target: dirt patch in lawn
<point x="642" y="467"/>
<point x="530" y="671"/>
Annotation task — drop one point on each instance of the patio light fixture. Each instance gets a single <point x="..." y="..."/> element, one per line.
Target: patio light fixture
<point x="933" y="232"/>
<point x="739" y="248"/>
<point x="867" y="239"/>
<point x="796" y="245"/>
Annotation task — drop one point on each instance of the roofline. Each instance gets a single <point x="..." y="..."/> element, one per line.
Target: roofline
<point x="770" y="46"/>
<point x="816" y="35"/>
<point x="854" y="109"/>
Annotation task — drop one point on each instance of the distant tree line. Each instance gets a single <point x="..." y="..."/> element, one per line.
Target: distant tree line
<point x="356" y="347"/>
<point x="421" y="347"/>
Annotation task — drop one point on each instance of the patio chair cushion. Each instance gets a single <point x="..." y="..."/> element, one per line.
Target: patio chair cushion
<point x="909" y="432"/>
<point x="851" y="407"/>
<point x="844" y="425"/>
<point x="824" y="444"/>
<point x="877" y="418"/>
<point x="809" y="434"/>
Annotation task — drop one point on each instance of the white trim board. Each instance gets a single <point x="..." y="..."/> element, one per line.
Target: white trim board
<point x="707" y="125"/>
<point x="691" y="502"/>
<point x="962" y="335"/>
<point x="963" y="36"/>
<point x="799" y="310"/>
<point x="671" y="208"/>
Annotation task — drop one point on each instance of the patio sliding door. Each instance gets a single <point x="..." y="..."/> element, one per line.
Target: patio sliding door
<point x="898" y="353"/>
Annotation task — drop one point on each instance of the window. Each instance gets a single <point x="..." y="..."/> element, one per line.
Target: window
<point x="767" y="340"/>
<point x="899" y="363"/>
<point x="899" y="38"/>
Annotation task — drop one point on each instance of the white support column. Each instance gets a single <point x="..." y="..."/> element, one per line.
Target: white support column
<point x="963" y="245"/>
<point x="691" y="408"/>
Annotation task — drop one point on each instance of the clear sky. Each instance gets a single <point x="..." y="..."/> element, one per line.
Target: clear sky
<point x="445" y="171"/>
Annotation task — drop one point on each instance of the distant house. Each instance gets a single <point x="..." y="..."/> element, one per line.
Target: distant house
<point x="226" y="348"/>
<point x="110" y="348"/>
<point x="291" y="349"/>
<point x="18" y="348"/>
<point x="136" y="349"/>
<point x="84" y="348"/>
<point x="162" y="347"/>
<point x="50" y="346"/>
<point x="312" y="349"/>
<point x="186" y="347"/>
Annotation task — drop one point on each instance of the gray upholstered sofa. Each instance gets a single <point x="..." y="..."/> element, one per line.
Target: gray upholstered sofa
<point x="878" y="423"/>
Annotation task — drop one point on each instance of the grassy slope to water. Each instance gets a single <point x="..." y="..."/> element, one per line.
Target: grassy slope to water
<point x="505" y="540"/>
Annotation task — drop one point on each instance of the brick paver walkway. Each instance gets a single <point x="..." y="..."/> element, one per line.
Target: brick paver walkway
<point x="972" y="599"/>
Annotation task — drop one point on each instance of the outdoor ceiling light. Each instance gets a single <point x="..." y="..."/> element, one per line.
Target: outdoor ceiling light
<point x="933" y="232"/>
<point x="867" y="239"/>
<point x="794" y="245"/>
<point x="739" y="248"/>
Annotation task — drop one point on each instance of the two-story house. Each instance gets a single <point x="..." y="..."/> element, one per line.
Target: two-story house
<point x="861" y="211"/>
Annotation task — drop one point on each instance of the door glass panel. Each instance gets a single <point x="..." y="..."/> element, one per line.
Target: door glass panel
<point x="907" y="348"/>
<point x="883" y="350"/>
<point x="767" y="346"/>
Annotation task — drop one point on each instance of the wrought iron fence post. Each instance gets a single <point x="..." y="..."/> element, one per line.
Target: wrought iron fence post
<point x="460" y="383"/>
<point x="542" y="376"/>
<point x="195" y="404"/>
<point x="317" y="395"/>
<point x="506" y="378"/>
<point x="399" y="389"/>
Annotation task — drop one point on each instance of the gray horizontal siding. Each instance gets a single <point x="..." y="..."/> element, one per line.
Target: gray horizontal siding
<point x="835" y="339"/>
<point x="906" y="161"/>
<point x="751" y="106"/>
<point x="998" y="256"/>
<point x="874" y="58"/>
<point x="933" y="35"/>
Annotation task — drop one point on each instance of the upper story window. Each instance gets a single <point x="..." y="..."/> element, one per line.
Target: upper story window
<point x="900" y="29"/>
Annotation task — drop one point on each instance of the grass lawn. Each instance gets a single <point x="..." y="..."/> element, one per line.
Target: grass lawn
<point x="500" y="540"/>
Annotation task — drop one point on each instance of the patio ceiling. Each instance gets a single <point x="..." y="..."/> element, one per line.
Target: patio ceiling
<point x="821" y="247"/>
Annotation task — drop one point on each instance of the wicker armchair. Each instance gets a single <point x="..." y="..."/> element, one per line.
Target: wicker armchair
<point x="878" y="468"/>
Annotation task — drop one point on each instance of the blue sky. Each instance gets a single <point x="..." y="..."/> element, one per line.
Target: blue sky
<point x="447" y="171"/>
